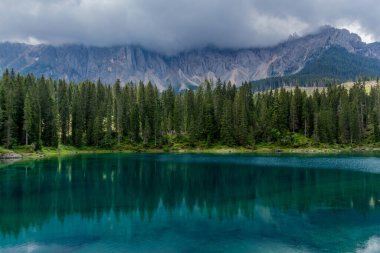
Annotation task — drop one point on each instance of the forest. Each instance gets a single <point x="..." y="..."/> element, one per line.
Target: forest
<point x="44" y="112"/>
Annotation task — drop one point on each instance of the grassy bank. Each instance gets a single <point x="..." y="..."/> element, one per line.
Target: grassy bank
<point x="28" y="152"/>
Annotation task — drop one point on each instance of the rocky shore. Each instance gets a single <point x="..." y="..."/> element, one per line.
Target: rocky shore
<point x="7" y="156"/>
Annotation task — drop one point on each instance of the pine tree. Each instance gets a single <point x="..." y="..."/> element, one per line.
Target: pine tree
<point x="296" y="110"/>
<point x="8" y="109"/>
<point x="178" y="114"/>
<point x="264" y="114"/>
<point x="199" y="122"/>
<point x="149" y="113"/>
<point x="19" y="96"/>
<point x="64" y="110"/>
<point x="157" y="118"/>
<point x="189" y="114"/>
<point x="135" y="123"/>
<point x="108" y="140"/>
<point x="141" y="105"/>
<point x="376" y="129"/>
<point x="100" y="105"/>
<point x="49" y="113"/>
<point x="307" y="115"/>
<point x="118" y="110"/>
<point x="32" y="119"/>
<point x="219" y="94"/>
<point x="91" y="112"/>
<point x="241" y="118"/>
<point x="281" y="110"/>
<point x="344" y="118"/>
<point x="354" y="123"/>
<point x="227" y="127"/>
<point x="168" y="97"/>
<point x="126" y="105"/>
<point x="293" y="114"/>
<point x="77" y="118"/>
<point x="28" y="117"/>
<point x="210" y="128"/>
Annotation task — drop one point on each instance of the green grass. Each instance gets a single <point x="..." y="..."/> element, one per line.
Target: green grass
<point x="296" y="143"/>
<point x="4" y="150"/>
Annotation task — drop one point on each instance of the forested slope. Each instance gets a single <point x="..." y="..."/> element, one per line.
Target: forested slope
<point x="42" y="111"/>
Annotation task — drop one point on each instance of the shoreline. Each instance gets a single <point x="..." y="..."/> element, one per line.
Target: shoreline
<point x="24" y="153"/>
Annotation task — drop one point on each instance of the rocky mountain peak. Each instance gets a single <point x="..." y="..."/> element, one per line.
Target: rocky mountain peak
<point x="342" y="37"/>
<point x="184" y="70"/>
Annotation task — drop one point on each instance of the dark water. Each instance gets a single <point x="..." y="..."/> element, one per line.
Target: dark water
<point x="191" y="203"/>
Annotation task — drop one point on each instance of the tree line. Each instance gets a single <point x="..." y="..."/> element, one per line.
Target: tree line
<point x="45" y="112"/>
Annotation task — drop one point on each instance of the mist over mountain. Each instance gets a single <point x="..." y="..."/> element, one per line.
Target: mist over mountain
<point x="188" y="69"/>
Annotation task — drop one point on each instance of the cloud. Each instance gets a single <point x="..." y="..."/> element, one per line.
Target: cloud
<point x="170" y="26"/>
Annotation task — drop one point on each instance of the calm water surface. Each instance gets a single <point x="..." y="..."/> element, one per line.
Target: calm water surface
<point x="191" y="203"/>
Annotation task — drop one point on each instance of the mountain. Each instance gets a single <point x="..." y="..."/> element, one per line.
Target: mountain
<point x="298" y="55"/>
<point x="334" y="65"/>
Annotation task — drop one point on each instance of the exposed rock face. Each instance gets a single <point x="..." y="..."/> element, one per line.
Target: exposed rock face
<point x="133" y="63"/>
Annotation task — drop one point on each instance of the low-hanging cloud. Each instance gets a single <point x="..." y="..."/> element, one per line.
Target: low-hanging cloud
<point x="170" y="26"/>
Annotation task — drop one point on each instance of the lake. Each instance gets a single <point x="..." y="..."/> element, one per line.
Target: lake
<point x="191" y="203"/>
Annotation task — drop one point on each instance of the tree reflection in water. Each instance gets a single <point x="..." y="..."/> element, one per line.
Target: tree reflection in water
<point x="31" y="193"/>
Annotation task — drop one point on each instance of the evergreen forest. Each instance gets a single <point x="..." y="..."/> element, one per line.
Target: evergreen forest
<point x="44" y="112"/>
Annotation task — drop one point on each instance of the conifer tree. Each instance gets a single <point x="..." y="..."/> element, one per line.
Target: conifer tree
<point x="344" y="118"/>
<point x="219" y="96"/>
<point x="28" y="118"/>
<point x="208" y="115"/>
<point x="157" y="118"/>
<point x="32" y="119"/>
<point x="118" y="110"/>
<point x="178" y="114"/>
<point x="376" y="129"/>
<point x="77" y="118"/>
<point x="64" y="110"/>
<point x="141" y="105"/>
<point x="49" y="113"/>
<point x="8" y="108"/>
<point x="19" y="96"/>
<point x="241" y="118"/>
<point x="227" y="127"/>
<point x="90" y="114"/>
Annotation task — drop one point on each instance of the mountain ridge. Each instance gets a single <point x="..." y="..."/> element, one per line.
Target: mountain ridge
<point x="131" y="63"/>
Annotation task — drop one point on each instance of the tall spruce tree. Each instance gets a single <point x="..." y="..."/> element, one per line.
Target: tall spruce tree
<point x="118" y="110"/>
<point x="32" y="119"/>
<point x="49" y="113"/>
<point x="227" y="125"/>
<point x="8" y="108"/>
<point x="241" y="118"/>
<point x="77" y="118"/>
<point x="64" y="110"/>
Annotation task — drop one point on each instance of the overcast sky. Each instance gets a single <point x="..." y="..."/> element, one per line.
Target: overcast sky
<point x="173" y="25"/>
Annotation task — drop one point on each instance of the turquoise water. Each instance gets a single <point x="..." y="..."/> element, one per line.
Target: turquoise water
<point x="191" y="203"/>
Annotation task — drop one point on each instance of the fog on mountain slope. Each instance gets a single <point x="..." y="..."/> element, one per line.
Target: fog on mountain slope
<point x="184" y="70"/>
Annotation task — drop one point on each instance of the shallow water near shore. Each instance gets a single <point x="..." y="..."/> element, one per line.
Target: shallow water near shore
<point x="191" y="203"/>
